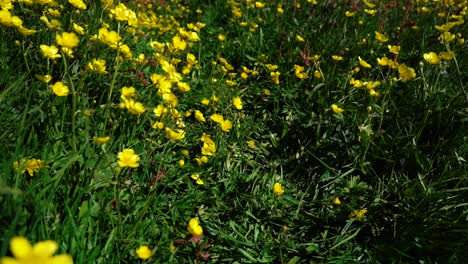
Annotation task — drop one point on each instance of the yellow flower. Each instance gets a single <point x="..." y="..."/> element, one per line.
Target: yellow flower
<point x="50" y="52"/>
<point x="394" y="49"/>
<point x="337" y="58"/>
<point x="199" y="116"/>
<point x="251" y="144"/>
<point x="236" y="101"/>
<point x="98" y="66"/>
<point x="356" y="83"/>
<point x="32" y="165"/>
<point x="231" y="83"/>
<point x="217" y="118"/>
<point x="67" y="39"/>
<point x="446" y="55"/>
<point x="158" y="125"/>
<point x="275" y="77"/>
<point x="41" y="252"/>
<point x="221" y="37"/>
<point x="299" y="72"/>
<point x="44" y="78"/>
<point x="209" y="146"/>
<point x="380" y="37"/>
<point x="336" y="201"/>
<point x="133" y="107"/>
<point x="226" y="125"/>
<point x="197" y="178"/>
<point x="406" y="73"/>
<point x="431" y="58"/>
<point x="78" y="29"/>
<point x="337" y="109"/>
<point x="110" y="38"/>
<point x="202" y="160"/>
<point x="259" y="5"/>
<point x="143" y="252"/>
<point x="194" y="227"/>
<point x="183" y="86"/>
<point x="101" y="140"/>
<point x="128" y="158"/>
<point x="349" y="14"/>
<point x="317" y="74"/>
<point x="205" y="101"/>
<point x="363" y="63"/>
<point x="358" y="214"/>
<point x="60" y="89"/>
<point x="299" y="38"/>
<point x="175" y="135"/>
<point x="78" y="4"/>
<point x="178" y="43"/>
<point x="278" y="189"/>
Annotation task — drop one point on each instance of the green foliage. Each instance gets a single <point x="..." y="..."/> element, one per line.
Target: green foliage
<point x="372" y="159"/>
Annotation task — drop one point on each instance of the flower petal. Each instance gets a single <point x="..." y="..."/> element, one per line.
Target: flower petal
<point x="45" y="248"/>
<point x="20" y="247"/>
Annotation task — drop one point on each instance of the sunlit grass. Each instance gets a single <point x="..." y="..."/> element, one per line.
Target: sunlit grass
<point x="233" y="131"/>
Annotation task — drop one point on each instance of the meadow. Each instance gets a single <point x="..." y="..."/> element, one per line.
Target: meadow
<point x="237" y="131"/>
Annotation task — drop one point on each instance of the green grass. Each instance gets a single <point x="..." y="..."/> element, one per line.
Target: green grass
<point x="401" y="155"/>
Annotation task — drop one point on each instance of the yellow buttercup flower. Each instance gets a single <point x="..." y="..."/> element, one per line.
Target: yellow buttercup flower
<point x="78" y="29"/>
<point x="42" y="252"/>
<point x="199" y="116"/>
<point x="380" y="37"/>
<point x="97" y="66"/>
<point x="337" y="109"/>
<point x="175" y="135"/>
<point x="31" y="166"/>
<point x="237" y="102"/>
<point x="144" y="252"/>
<point x="133" y="107"/>
<point x="67" y="39"/>
<point x="50" y="52"/>
<point x="358" y="214"/>
<point x="336" y="201"/>
<point x="394" y="49"/>
<point x="110" y="38"/>
<point x="78" y="4"/>
<point x="197" y="178"/>
<point x="337" y="58"/>
<point x="101" y="140"/>
<point x="44" y="78"/>
<point x="60" y="89"/>
<point x="209" y="146"/>
<point x="128" y="158"/>
<point x="194" y="227"/>
<point x="226" y="125"/>
<point x="278" y="189"/>
<point x="363" y="63"/>
<point x="406" y="73"/>
<point x="431" y="58"/>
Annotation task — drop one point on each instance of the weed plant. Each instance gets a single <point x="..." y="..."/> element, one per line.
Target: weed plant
<point x="238" y="131"/>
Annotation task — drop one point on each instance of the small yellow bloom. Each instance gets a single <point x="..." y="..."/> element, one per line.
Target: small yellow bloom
<point x="251" y="144"/>
<point x="194" y="227"/>
<point x="226" y="125"/>
<point x="78" y="29"/>
<point x="202" y="160"/>
<point x="380" y="37"/>
<point x="199" y="116"/>
<point x="363" y="63"/>
<point x="41" y="252"/>
<point x="205" y="101"/>
<point x="337" y="58"/>
<point x="158" y="125"/>
<point x="431" y="58"/>
<point x="60" y="89"/>
<point x="406" y="73"/>
<point x="337" y="109"/>
<point x="181" y="162"/>
<point x="394" y="49"/>
<point x="101" y="140"/>
<point x="236" y="101"/>
<point x="128" y="158"/>
<point x="446" y="55"/>
<point x="358" y="214"/>
<point x="197" y="178"/>
<point x="67" y="39"/>
<point x="50" y="52"/>
<point x="336" y="201"/>
<point x="98" y="66"/>
<point x="133" y="107"/>
<point x="143" y="252"/>
<point x="299" y="38"/>
<point x="217" y="118"/>
<point x="175" y="135"/>
<point x="278" y="189"/>
<point x="221" y="37"/>
<point x="78" y="4"/>
<point x="44" y="78"/>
